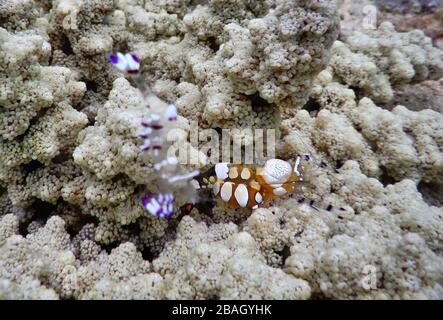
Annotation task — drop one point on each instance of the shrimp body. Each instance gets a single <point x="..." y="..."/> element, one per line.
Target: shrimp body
<point x="244" y="186"/>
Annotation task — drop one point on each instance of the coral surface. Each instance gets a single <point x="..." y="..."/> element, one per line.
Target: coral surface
<point x="365" y="101"/>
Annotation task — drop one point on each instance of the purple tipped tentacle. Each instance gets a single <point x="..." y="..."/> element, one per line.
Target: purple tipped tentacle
<point x="136" y="59"/>
<point x="113" y="59"/>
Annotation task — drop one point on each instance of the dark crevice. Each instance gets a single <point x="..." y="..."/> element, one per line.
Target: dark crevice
<point x="212" y="42"/>
<point x="258" y="103"/>
<point x="119" y="177"/>
<point x="385" y="178"/>
<point x="432" y="193"/>
<point x="285" y="253"/>
<point x="83" y="220"/>
<point x="372" y="143"/>
<point x="148" y="255"/>
<point x="109" y="247"/>
<point x="339" y="164"/>
<point x="91" y="85"/>
<point x="66" y="46"/>
<point x="207" y="205"/>
<point x="40" y="114"/>
<point x="359" y="93"/>
<point x="23" y="229"/>
<point x="42" y="211"/>
<point x="62" y="157"/>
<point x="312" y="106"/>
<point x="32" y="166"/>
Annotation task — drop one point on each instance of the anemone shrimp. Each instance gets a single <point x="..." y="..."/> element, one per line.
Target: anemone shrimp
<point x="248" y="186"/>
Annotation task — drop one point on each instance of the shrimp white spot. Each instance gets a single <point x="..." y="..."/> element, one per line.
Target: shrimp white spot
<point x="276" y="171"/>
<point x="245" y="174"/>
<point x="242" y="195"/>
<point x="279" y="191"/>
<point x="195" y="184"/>
<point x="297" y="164"/>
<point x="258" y="198"/>
<point x="233" y="173"/>
<point x="222" y="170"/>
<point x="216" y="188"/>
<point x="226" y="191"/>
<point x="255" y="185"/>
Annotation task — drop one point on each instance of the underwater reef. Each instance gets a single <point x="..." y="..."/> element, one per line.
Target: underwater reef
<point x="366" y="101"/>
